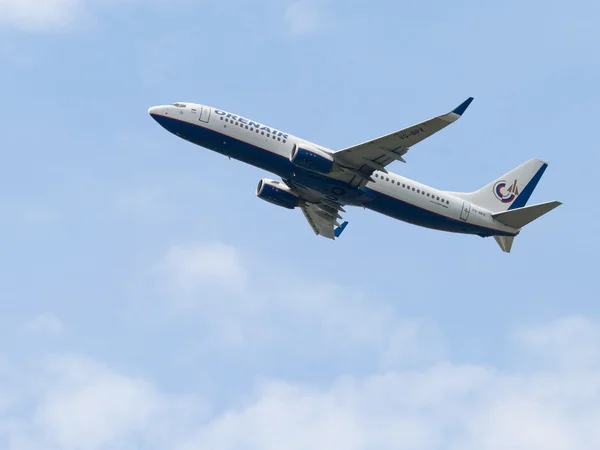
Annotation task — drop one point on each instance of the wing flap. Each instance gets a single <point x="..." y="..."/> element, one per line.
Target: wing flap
<point x="320" y="226"/>
<point x="322" y="213"/>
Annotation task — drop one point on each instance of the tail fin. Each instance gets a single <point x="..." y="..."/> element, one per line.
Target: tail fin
<point x="511" y="190"/>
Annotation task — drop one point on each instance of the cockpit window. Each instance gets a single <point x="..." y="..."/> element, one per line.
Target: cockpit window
<point x="179" y="105"/>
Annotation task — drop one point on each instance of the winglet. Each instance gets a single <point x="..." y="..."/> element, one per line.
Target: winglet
<point x="338" y="231"/>
<point x="460" y="109"/>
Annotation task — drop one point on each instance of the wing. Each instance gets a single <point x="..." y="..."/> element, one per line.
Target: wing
<point x="360" y="161"/>
<point x="322" y="214"/>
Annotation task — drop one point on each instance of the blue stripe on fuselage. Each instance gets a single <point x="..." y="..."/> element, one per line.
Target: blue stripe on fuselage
<point x="407" y="212"/>
<point x="280" y="165"/>
<point x="261" y="158"/>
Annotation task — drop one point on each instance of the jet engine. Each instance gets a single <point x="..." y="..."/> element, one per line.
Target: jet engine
<point x="277" y="193"/>
<point x="312" y="159"/>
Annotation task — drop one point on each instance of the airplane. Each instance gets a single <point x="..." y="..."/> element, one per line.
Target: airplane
<point x="321" y="181"/>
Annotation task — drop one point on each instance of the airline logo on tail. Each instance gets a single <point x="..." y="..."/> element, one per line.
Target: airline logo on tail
<point x="504" y="194"/>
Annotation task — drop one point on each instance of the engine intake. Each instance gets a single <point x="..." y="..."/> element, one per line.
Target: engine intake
<point x="277" y="193"/>
<point x="312" y="159"/>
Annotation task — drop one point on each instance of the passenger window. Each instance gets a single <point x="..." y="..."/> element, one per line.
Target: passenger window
<point x="262" y="132"/>
<point x="418" y="191"/>
<point x="413" y="189"/>
<point x="284" y="141"/>
<point x="221" y="117"/>
<point x="403" y="185"/>
<point x="428" y="194"/>
<point x="437" y="198"/>
<point x="387" y="179"/>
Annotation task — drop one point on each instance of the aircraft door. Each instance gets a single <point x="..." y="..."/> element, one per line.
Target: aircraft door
<point x="466" y="209"/>
<point x="204" y="114"/>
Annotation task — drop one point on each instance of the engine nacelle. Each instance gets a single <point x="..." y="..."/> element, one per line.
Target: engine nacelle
<point x="312" y="159"/>
<point x="277" y="193"/>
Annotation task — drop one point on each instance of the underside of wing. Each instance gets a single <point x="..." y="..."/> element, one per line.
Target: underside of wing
<point x="323" y="214"/>
<point x="357" y="163"/>
<point x="323" y="219"/>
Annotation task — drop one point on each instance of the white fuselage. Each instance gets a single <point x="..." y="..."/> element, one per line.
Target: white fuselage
<point x="270" y="149"/>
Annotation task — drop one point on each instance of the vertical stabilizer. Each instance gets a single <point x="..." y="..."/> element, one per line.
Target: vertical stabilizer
<point x="512" y="190"/>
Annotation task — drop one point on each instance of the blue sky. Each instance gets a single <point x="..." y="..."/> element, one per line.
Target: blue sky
<point x="150" y="300"/>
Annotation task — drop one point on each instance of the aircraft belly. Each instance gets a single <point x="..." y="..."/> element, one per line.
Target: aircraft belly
<point x="229" y="146"/>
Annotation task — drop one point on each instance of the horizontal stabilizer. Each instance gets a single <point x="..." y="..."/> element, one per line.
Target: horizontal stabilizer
<point x="519" y="217"/>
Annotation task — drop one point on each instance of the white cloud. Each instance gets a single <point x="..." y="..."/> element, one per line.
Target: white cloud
<point x="522" y="422"/>
<point x="406" y="396"/>
<point x="46" y="323"/>
<point x="255" y="305"/>
<point x="82" y="404"/>
<point x="191" y="269"/>
<point x="39" y="14"/>
<point x="46" y="15"/>
<point x="78" y="403"/>
<point x="443" y="406"/>
<point x="89" y="406"/>
<point x="304" y="17"/>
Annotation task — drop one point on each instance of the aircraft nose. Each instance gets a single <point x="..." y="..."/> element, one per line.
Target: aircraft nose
<point x="160" y="114"/>
<point x="155" y="111"/>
